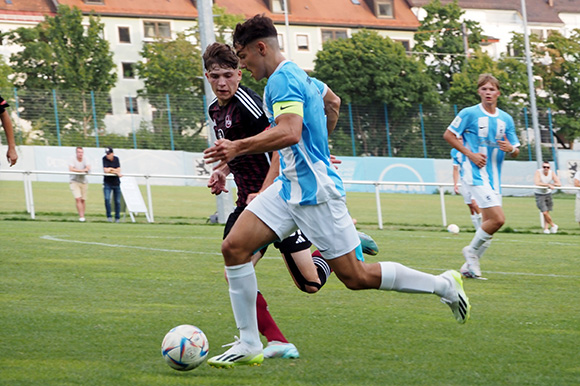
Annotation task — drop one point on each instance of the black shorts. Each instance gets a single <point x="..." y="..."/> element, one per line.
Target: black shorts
<point x="297" y="241"/>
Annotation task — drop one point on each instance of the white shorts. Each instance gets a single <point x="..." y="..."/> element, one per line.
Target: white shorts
<point x="327" y="225"/>
<point x="464" y="190"/>
<point x="484" y="195"/>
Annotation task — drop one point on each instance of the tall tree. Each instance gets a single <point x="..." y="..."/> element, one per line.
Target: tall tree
<point x="440" y="38"/>
<point x="61" y="54"/>
<point x="375" y="73"/>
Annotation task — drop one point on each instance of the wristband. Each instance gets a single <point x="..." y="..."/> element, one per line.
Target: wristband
<point x="513" y="150"/>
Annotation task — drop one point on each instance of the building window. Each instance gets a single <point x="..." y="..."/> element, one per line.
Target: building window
<point x="302" y="42"/>
<point x="124" y="35"/>
<point x="277" y="6"/>
<point x="405" y="44"/>
<point x="131" y="105"/>
<point x="94" y="2"/>
<point x="281" y="41"/>
<point x="333" y="34"/>
<point x="384" y="8"/>
<point x="157" y="29"/>
<point x="128" y="70"/>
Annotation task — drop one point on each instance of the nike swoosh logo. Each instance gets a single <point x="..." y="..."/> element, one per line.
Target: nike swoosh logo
<point x="284" y="107"/>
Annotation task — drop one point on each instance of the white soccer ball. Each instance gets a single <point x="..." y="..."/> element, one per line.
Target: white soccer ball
<point x="452" y="228"/>
<point x="185" y="347"/>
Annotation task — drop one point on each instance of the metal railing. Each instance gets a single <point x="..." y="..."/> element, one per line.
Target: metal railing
<point x="29" y="196"/>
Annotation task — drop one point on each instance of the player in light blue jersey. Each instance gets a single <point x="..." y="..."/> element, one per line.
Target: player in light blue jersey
<point x="474" y="211"/>
<point x="483" y="134"/>
<point x="308" y="195"/>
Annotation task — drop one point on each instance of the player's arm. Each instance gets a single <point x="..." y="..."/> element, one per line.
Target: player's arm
<point x="11" y="154"/>
<point x="332" y="109"/>
<point x="477" y="158"/>
<point x="576" y="182"/>
<point x="455" y="178"/>
<point x="287" y="132"/>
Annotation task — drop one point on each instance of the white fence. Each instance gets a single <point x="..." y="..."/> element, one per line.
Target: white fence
<point x="29" y="196"/>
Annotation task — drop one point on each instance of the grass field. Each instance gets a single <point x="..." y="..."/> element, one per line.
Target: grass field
<point x="88" y="304"/>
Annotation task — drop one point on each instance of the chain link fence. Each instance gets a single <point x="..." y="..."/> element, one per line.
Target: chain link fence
<point x="178" y="122"/>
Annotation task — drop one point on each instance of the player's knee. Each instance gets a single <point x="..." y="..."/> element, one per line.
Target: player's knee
<point x="309" y="289"/>
<point x="231" y="251"/>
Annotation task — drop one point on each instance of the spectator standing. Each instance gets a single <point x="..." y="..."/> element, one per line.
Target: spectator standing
<point x="112" y="184"/>
<point x="546" y="178"/>
<point x="78" y="182"/>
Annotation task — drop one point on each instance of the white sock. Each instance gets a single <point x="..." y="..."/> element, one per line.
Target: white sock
<point x="480" y="237"/>
<point x="476" y="221"/>
<point x="483" y="248"/>
<point x="397" y="277"/>
<point x="243" y="294"/>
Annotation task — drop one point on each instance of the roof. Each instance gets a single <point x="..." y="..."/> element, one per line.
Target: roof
<point x="538" y="11"/>
<point x="336" y="13"/>
<point x="159" y="9"/>
<point x="340" y="13"/>
<point x="23" y="9"/>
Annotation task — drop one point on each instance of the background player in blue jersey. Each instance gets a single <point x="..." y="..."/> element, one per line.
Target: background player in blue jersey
<point x="308" y="195"/>
<point x="474" y="211"/>
<point x="483" y="134"/>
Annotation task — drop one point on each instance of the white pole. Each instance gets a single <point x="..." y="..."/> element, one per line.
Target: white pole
<point x="443" y="214"/>
<point x="288" y="49"/>
<point x="532" y="88"/>
<point x="379" y="210"/>
<point x="207" y="37"/>
<point x="149" y="199"/>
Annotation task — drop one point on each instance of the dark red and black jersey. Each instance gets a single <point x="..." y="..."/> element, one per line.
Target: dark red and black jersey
<point x="3" y="105"/>
<point x="243" y="117"/>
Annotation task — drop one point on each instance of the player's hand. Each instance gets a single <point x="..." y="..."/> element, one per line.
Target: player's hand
<point x="335" y="161"/>
<point x="456" y="189"/>
<point x="478" y="159"/>
<point x="251" y="196"/>
<point x="11" y="156"/>
<point x="222" y="151"/>
<point x="505" y="145"/>
<point x="217" y="183"/>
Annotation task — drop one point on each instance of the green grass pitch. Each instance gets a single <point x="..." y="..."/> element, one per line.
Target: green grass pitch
<point x="89" y="303"/>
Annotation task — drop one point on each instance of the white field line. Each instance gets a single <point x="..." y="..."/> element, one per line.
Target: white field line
<point x="54" y="238"/>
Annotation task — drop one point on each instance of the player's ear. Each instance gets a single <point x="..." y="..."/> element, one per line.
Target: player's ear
<point x="206" y="75"/>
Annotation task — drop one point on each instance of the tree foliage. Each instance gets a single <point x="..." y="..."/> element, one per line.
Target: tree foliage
<point x="440" y="38"/>
<point x="372" y="73"/>
<point x="61" y="54"/>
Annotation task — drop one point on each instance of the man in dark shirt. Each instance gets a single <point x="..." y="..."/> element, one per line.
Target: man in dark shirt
<point x="112" y="184"/>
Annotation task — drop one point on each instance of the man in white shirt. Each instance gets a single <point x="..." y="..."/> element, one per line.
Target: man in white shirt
<point x="546" y="178"/>
<point x="78" y="182"/>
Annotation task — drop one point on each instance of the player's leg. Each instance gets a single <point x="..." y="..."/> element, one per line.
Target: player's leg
<point x="117" y="198"/>
<point x="339" y="238"/>
<point x="249" y="234"/>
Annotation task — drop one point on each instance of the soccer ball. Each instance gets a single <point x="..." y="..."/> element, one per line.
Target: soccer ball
<point x="184" y="347"/>
<point x="452" y="228"/>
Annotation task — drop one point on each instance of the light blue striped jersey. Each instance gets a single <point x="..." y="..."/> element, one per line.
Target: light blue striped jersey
<point x="308" y="177"/>
<point x="480" y="131"/>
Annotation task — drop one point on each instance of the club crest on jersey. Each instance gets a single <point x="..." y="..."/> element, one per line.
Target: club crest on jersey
<point x="220" y="134"/>
<point x="228" y="122"/>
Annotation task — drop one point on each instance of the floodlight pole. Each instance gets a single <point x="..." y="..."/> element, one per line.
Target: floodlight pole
<point x="533" y="108"/>
<point x="287" y="42"/>
<point x="207" y="36"/>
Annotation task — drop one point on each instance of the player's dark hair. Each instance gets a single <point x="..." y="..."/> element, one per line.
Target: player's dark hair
<point x="221" y="54"/>
<point x="258" y="27"/>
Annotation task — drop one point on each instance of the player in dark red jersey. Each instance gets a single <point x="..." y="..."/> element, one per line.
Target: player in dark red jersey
<point x="237" y="113"/>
